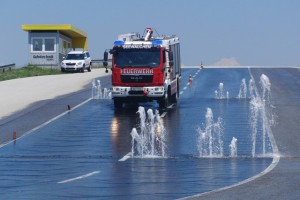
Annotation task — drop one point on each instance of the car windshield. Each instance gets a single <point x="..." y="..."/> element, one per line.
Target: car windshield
<point x="137" y="57"/>
<point x="75" y="56"/>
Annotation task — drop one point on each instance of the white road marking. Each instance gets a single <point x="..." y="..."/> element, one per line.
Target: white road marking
<point x="184" y="88"/>
<point x="163" y="115"/>
<point x="181" y="92"/>
<point x="46" y="123"/>
<point x="79" y="177"/>
<point x="171" y="106"/>
<point x="126" y="157"/>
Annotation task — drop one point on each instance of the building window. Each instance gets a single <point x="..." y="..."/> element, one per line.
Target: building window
<point x="69" y="47"/>
<point x="49" y="44"/>
<point x="37" y="44"/>
<point x="65" y="47"/>
<point x="43" y="44"/>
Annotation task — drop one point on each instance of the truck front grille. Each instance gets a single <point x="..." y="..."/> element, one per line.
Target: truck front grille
<point x="136" y="78"/>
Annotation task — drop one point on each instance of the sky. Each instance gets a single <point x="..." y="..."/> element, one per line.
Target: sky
<point x="216" y="32"/>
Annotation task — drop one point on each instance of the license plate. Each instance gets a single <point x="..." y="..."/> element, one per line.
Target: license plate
<point x="137" y="89"/>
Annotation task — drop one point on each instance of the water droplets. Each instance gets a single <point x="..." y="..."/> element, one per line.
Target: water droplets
<point x="210" y="141"/>
<point x="98" y="92"/>
<point x="243" y="90"/>
<point x="260" y="113"/>
<point x="150" y="140"/>
<point x="233" y="147"/>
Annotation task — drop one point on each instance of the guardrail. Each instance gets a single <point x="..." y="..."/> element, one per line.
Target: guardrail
<point x="99" y="62"/>
<point x="9" y="66"/>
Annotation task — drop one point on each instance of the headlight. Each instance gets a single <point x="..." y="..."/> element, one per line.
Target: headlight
<point x="80" y="63"/>
<point x="116" y="89"/>
<point x="62" y="64"/>
<point x="160" y="89"/>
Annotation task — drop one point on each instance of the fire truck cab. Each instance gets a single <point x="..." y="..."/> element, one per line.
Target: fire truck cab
<point x="145" y="69"/>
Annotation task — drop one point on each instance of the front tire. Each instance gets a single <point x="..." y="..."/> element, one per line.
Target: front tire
<point x="175" y="97"/>
<point x="164" y="101"/>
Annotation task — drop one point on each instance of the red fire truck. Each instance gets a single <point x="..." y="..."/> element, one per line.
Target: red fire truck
<point x="145" y="68"/>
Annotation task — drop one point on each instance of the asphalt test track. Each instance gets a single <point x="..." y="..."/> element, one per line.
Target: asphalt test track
<point x="281" y="183"/>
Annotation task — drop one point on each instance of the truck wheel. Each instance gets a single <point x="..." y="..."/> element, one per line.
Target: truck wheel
<point x="164" y="101"/>
<point x="118" y="103"/>
<point x="174" y="97"/>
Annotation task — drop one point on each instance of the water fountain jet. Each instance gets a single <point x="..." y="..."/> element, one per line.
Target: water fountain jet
<point x="243" y="90"/>
<point x="151" y="140"/>
<point x="233" y="147"/>
<point x="259" y="105"/>
<point x="210" y="142"/>
<point x="98" y="92"/>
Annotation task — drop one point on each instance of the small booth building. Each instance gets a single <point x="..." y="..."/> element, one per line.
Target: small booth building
<point x="48" y="44"/>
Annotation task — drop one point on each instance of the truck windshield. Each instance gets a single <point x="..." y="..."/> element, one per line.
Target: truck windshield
<point x="75" y="57"/>
<point x="137" y="57"/>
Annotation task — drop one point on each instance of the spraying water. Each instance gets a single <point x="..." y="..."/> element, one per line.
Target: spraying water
<point x="258" y="114"/>
<point x="255" y="107"/>
<point x="251" y="88"/>
<point x="243" y="90"/>
<point x="94" y="89"/>
<point x="266" y="88"/>
<point x="136" y="137"/>
<point x="233" y="147"/>
<point x="219" y="94"/>
<point x="266" y="93"/>
<point x="98" y="92"/>
<point x="210" y="143"/>
<point x="162" y="134"/>
<point x="151" y="141"/>
<point x="227" y="95"/>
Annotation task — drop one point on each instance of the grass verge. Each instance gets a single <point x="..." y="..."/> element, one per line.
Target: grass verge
<point x="27" y="72"/>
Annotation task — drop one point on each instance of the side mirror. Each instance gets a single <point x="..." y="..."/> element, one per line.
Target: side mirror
<point x="105" y="59"/>
<point x="105" y="56"/>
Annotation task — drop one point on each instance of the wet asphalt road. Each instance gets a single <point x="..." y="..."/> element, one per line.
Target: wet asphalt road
<point x="281" y="183"/>
<point x="42" y="111"/>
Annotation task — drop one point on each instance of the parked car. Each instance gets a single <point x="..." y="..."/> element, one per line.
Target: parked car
<point x="77" y="61"/>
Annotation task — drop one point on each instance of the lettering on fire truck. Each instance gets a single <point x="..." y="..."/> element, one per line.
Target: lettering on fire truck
<point x="136" y="71"/>
<point x="137" y="46"/>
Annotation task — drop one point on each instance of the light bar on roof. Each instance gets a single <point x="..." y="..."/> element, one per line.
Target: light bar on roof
<point x="119" y="42"/>
<point x="156" y="42"/>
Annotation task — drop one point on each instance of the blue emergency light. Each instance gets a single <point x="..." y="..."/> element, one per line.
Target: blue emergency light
<point x="157" y="42"/>
<point x="119" y="42"/>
